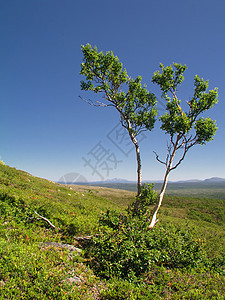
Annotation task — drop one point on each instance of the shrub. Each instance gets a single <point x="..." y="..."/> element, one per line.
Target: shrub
<point x="13" y="208"/>
<point x="148" y="196"/>
<point x="125" y="247"/>
<point x="123" y="290"/>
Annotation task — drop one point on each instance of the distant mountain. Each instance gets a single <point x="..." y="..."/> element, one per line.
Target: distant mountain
<point x="117" y="180"/>
<point x="114" y="181"/>
<point x="215" y="179"/>
<point x="189" y="180"/>
<point x="121" y="180"/>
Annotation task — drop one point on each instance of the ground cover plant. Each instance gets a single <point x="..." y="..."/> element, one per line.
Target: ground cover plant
<point x="183" y="258"/>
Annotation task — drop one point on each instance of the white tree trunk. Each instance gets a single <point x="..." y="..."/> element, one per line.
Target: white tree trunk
<point x="138" y="156"/>
<point x="159" y="203"/>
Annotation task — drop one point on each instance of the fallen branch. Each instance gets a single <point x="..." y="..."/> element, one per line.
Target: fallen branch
<point x="45" y="219"/>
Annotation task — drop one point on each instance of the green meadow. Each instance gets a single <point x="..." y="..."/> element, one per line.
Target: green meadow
<point x="40" y="221"/>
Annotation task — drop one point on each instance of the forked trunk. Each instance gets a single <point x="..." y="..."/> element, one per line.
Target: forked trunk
<point x="159" y="203"/>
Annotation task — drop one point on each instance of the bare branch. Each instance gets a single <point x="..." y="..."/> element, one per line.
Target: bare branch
<point x="184" y="142"/>
<point x="96" y="104"/>
<point x="169" y="147"/>
<point x="45" y="219"/>
<point x="192" y="144"/>
<point x="167" y="159"/>
<point x="102" y="104"/>
<point x="171" y="140"/>
<point x="139" y="131"/>
<point x="157" y="158"/>
<point x="181" y="159"/>
<point x="173" y="92"/>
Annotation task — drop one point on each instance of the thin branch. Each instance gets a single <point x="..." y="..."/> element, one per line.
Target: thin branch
<point x="96" y="104"/>
<point x="184" y="142"/>
<point x="193" y="141"/>
<point x="167" y="159"/>
<point x="181" y="159"/>
<point x="102" y="104"/>
<point x="139" y="131"/>
<point x="157" y="158"/>
<point x="175" y="96"/>
<point x="171" y="140"/>
<point x="192" y="144"/>
<point x="169" y="148"/>
<point x="45" y="219"/>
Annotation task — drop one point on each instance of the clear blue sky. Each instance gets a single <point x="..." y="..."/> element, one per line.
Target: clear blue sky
<point x="46" y="130"/>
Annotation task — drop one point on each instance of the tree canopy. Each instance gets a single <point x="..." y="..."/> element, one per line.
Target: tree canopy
<point x="105" y="74"/>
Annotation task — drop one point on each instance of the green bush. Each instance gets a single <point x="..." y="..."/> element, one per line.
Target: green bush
<point x="148" y="196"/>
<point x="12" y="208"/>
<point x="125" y="247"/>
<point x="124" y="290"/>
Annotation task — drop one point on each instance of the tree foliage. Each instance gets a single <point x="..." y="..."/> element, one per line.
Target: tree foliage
<point x="186" y="128"/>
<point x="105" y="74"/>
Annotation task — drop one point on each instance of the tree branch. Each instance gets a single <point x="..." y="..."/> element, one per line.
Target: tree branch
<point x="157" y="158"/>
<point x="181" y="159"/>
<point x="45" y="219"/>
<point x="96" y="104"/>
<point x="167" y="159"/>
<point x="139" y="131"/>
<point x="173" y="92"/>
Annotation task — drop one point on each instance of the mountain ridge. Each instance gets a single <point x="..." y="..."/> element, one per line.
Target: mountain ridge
<point x="121" y="180"/>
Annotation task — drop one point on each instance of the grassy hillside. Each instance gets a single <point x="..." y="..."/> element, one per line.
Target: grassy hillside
<point x="24" y="265"/>
<point x="73" y="209"/>
<point x="37" y="263"/>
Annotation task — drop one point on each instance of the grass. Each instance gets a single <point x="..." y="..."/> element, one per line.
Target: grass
<point x="30" y="271"/>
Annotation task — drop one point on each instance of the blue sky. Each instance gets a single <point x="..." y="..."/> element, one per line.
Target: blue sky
<point x="48" y="131"/>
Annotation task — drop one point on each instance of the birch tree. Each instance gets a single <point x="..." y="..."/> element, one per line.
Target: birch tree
<point x="185" y="129"/>
<point x="105" y="75"/>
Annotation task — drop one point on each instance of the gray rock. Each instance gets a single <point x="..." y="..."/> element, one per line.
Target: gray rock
<point x="71" y="248"/>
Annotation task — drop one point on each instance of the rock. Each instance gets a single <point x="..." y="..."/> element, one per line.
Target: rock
<point x="71" y="248"/>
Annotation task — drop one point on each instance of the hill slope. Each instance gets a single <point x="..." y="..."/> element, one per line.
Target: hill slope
<point x="38" y="261"/>
<point x="35" y="259"/>
<point x="72" y="207"/>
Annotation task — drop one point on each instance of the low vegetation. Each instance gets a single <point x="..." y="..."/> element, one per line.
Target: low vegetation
<point x="183" y="258"/>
